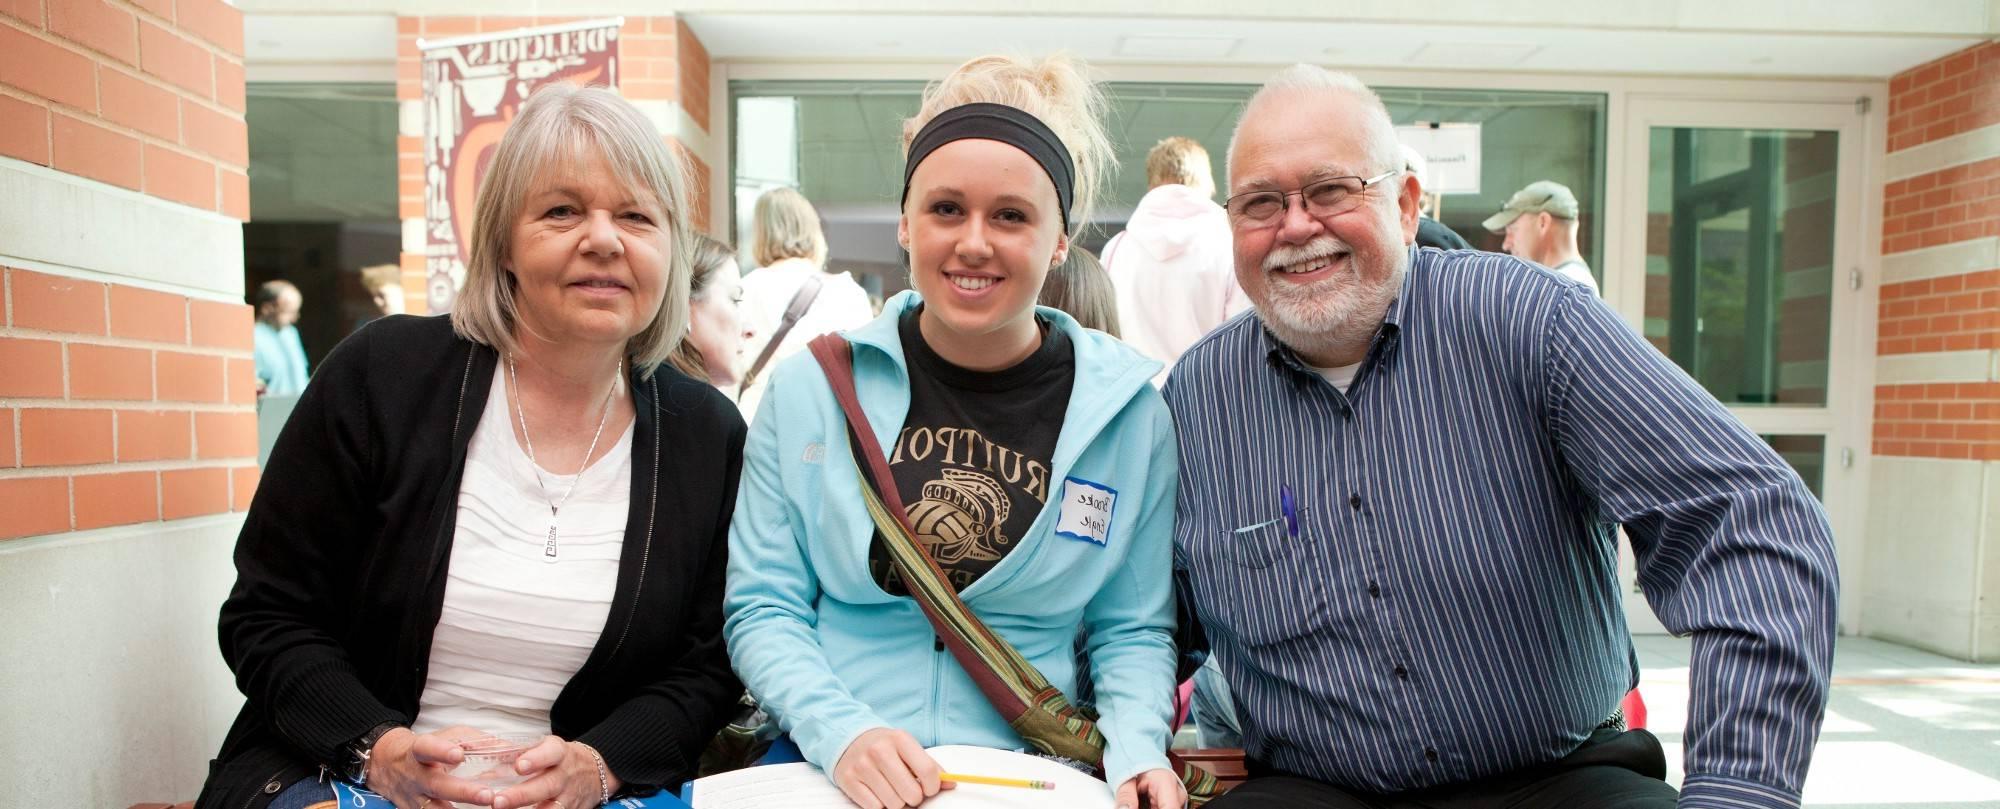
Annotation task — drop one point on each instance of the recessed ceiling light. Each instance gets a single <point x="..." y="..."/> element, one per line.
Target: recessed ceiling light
<point x="1474" y="54"/>
<point x="1162" y="47"/>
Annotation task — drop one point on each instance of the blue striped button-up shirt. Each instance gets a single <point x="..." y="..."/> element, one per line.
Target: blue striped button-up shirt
<point x="1415" y="583"/>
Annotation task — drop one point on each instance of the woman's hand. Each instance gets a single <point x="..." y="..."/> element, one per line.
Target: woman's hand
<point x="885" y="768"/>
<point x="561" y="775"/>
<point x="1160" y="789"/>
<point x="414" y="771"/>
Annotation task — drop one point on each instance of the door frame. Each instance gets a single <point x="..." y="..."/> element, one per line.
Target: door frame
<point x="1846" y="421"/>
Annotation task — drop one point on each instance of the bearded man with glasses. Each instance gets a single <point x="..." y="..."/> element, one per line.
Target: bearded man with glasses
<point x="1402" y="479"/>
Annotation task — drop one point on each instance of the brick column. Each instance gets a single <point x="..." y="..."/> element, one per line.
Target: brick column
<point x="663" y="70"/>
<point x="129" y="389"/>
<point x="1933" y="569"/>
<point x="128" y="430"/>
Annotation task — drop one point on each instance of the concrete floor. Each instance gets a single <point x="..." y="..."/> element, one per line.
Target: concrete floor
<point x="1905" y="729"/>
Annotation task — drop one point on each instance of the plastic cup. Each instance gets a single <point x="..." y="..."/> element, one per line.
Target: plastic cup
<point x="489" y="761"/>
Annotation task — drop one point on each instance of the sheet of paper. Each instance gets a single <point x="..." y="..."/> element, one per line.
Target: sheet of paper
<point x="803" y="786"/>
<point x="1074" y="790"/>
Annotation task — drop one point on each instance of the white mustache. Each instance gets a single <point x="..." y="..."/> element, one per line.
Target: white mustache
<point x="1322" y="247"/>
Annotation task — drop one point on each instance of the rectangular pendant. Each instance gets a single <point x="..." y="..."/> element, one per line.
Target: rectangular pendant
<point x="549" y="550"/>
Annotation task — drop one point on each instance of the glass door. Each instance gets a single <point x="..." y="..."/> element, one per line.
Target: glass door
<point x="1741" y="264"/>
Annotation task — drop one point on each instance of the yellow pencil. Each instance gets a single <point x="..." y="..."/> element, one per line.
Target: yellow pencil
<point x="997" y="782"/>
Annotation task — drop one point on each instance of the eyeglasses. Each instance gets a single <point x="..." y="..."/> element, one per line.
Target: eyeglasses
<point x="1328" y="197"/>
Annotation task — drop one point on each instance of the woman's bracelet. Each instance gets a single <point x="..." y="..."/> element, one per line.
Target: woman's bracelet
<point x="603" y="778"/>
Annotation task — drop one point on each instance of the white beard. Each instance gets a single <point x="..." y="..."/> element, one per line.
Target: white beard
<point x="1329" y="314"/>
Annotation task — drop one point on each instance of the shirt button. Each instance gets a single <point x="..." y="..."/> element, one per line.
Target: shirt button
<point x="1402" y="672"/>
<point x="1374" y="590"/>
<point x="1430" y="754"/>
<point x="1355" y="501"/>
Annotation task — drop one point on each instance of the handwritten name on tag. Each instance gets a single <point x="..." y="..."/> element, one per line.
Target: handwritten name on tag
<point x="1086" y="511"/>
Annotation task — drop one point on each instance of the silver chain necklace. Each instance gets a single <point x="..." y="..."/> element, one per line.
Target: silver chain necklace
<point x="555" y="508"/>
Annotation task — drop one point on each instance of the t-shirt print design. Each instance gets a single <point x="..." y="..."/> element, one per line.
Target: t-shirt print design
<point x="963" y="512"/>
<point x="972" y="459"/>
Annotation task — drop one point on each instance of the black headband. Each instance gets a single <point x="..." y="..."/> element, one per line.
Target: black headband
<point x="1007" y="125"/>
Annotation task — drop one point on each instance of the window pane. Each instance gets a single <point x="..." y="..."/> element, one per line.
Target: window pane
<point x="322" y="152"/>
<point x="837" y="142"/>
<point x="1739" y="259"/>
<point x="1524" y="137"/>
<point x="1806" y="454"/>
<point x="322" y="199"/>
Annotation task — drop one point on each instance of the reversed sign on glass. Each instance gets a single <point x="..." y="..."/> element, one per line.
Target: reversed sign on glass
<point x="472" y="87"/>
<point x="1451" y="155"/>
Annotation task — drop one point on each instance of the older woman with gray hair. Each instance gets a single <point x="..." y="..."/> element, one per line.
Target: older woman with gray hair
<point x="508" y="523"/>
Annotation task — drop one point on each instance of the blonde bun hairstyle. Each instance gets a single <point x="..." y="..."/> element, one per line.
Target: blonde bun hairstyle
<point x="1054" y="89"/>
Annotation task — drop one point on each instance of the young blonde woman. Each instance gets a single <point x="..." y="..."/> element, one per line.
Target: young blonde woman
<point x="996" y="416"/>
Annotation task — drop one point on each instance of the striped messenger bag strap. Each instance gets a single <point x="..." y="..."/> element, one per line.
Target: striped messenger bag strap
<point x="1036" y="710"/>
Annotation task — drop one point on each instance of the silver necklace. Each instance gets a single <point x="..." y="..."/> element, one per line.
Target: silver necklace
<point x="555" y="507"/>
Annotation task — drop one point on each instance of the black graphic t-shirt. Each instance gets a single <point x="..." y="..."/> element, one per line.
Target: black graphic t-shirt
<point x="972" y="461"/>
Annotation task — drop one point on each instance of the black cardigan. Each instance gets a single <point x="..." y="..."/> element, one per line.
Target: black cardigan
<point x="341" y="568"/>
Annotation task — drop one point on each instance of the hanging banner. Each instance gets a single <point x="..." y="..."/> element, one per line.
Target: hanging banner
<point x="1451" y="155"/>
<point x="472" y="87"/>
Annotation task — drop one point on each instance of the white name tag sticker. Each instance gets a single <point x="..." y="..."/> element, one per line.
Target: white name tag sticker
<point x="1086" y="511"/>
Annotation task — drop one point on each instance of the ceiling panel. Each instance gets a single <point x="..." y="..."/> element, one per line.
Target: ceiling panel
<point x="1435" y="44"/>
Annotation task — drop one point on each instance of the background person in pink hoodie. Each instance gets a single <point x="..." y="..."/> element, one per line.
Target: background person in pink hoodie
<point x="1173" y="266"/>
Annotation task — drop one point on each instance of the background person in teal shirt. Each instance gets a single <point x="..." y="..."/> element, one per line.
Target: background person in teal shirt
<point x="281" y="358"/>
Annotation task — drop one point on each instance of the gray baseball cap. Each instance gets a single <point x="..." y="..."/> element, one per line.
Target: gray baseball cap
<point x="1541" y="196"/>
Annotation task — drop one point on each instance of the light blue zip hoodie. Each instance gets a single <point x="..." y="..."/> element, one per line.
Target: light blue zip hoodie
<point x="831" y="655"/>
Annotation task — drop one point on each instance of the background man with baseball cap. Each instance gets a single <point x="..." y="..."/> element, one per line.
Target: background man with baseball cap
<point x="1540" y="223"/>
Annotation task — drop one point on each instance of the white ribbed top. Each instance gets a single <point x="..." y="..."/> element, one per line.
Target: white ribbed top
<point x="516" y="629"/>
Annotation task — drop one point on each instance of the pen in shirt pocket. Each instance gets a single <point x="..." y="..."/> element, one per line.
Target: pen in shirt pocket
<point x="1289" y="506"/>
<point x="1289" y="511"/>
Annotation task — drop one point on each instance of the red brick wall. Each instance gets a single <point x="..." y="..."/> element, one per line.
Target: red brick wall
<point x="1956" y="94"/>
<point x="1939" y="420"/>
<point x="1959" y="312"/>
<point x="1951" y="313"/>
<point x="131" y="405"/>
<point x="120" y="404"/>
<point x="698" y="191"/>
<point x="650" y="50"/>
<point x="660" y="60"/>
<point x="142" y="95"/>
<point x="693" y="76"/>
<point x="1953" y="205"/>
